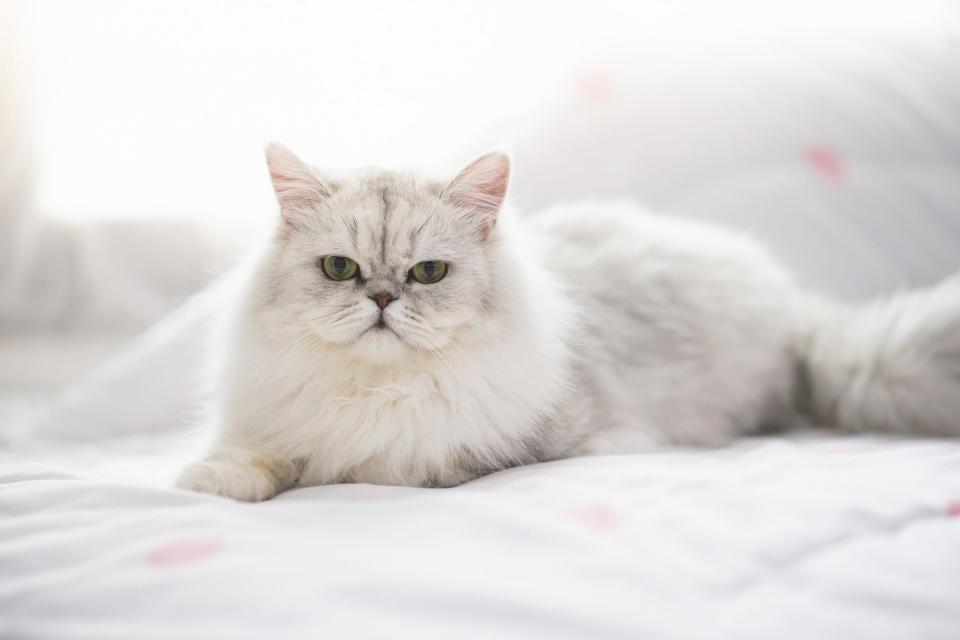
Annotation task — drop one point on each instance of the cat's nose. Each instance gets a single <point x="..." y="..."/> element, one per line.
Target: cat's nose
<point x="383" y="298"/>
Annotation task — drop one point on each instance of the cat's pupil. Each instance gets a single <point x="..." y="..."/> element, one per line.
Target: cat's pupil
<point x="339" y="264"/>
<point x="429" y="268"/>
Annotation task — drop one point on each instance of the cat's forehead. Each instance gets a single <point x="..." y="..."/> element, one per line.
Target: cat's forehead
<point x="389" y="215"/>
<point x="369" y="193"/>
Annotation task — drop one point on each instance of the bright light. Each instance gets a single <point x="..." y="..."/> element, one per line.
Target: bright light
<point x="163" y="108"/>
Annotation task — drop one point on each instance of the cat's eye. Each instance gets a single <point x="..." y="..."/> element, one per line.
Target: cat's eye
<point x="429" y="271"/>
<point x="339" y="267"/>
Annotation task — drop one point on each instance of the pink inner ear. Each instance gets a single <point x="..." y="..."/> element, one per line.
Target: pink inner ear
<point x="293" y="182"/>
<point x="293" y="190"/>
<point x="482" y="186"/>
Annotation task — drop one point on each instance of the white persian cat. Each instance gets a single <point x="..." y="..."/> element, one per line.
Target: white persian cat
<point x="401" y="330"/>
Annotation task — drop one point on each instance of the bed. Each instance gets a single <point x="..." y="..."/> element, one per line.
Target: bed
<point x="800" y="537"/>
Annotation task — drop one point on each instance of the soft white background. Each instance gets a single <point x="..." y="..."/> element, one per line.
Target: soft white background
<point x="147" y="108"/>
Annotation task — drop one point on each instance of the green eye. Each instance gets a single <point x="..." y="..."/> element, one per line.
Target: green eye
<point x="339" y="268"/>
<point x="429" y="271"/>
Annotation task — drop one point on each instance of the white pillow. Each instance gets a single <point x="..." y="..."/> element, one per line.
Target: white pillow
<point x="843" y="156"/>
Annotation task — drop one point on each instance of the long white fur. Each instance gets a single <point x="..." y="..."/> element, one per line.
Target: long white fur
<point x="589" y="328"/>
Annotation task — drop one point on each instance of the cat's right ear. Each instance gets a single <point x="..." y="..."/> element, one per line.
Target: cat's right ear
<point x="298" y="189"/>
<point x="481" y="188"/>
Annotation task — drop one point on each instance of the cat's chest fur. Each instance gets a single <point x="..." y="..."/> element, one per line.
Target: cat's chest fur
<point x="434" y="420"/>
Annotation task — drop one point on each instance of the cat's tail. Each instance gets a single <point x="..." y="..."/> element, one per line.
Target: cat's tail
<point x="892" y="365"/>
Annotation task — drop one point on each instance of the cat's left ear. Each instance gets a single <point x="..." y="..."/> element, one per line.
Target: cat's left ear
<point x="481" y="188"/>
<point x="297" y="187"/>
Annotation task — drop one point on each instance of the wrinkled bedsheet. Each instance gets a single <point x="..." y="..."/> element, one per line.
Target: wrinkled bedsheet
<point x="809" y="536"/>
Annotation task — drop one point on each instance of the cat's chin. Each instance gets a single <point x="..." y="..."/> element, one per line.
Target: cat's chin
<point x="380" y="346"/>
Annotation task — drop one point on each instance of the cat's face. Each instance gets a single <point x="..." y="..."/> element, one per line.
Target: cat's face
<point x="385" y="264"/>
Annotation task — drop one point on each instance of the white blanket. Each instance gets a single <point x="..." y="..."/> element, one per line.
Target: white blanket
<point x="810" y="536"/>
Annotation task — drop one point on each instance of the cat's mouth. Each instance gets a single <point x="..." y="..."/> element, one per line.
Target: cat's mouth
<point x="381" y="343"/>
<point x="380" y="327"/>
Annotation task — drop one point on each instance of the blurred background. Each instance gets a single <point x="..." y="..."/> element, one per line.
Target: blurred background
<point x="131" y="136"/>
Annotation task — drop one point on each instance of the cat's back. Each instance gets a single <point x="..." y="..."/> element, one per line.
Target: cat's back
<point x="614" y="234"/>
<point x="682" y="321"/>
<point x="616" y="254"/>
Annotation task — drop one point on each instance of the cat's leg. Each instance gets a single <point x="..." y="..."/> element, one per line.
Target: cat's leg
<point x="643" y="438"/>
<point x="239" y="473"/>
<point x="620" y="440"/>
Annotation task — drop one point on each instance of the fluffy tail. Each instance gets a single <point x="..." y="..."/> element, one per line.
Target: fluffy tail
<point x="892" y="366"/>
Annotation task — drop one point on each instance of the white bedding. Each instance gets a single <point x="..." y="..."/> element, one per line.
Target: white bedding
<point x="811" y="536"/>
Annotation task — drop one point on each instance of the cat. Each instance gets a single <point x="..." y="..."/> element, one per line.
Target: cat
<point x="403" y="330"/>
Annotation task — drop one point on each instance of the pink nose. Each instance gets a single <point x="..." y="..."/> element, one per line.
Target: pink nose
<point x="382" y="299"/>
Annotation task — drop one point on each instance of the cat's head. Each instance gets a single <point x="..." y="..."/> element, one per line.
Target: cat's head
<point x="386" y="264"/>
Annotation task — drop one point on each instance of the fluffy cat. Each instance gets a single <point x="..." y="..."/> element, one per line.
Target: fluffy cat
<point x="400" y="330"/>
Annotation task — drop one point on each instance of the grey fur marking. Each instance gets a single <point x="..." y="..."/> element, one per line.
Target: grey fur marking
<point x="385" y="199"/>
<point x="351" y="225"/>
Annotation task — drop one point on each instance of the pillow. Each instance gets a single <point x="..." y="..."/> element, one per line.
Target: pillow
<point x="844" y="157"/>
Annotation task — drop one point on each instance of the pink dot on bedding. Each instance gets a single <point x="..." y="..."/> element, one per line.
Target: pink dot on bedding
<point x="596" y="85"/>
<point x="827" y="163"/>
<point x="184" y="551"/>
<point x="599" y="517"/>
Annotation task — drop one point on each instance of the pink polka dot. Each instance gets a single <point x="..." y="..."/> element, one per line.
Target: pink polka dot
<point x="953" y="509"/>
<point x="827" y="163"/>
<point x="184" y="551"/>
<point x="599" y="517"/>
<point x="595" y="85"/>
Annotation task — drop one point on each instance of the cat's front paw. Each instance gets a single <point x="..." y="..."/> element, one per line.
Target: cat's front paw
<point x="229" y="478"/>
